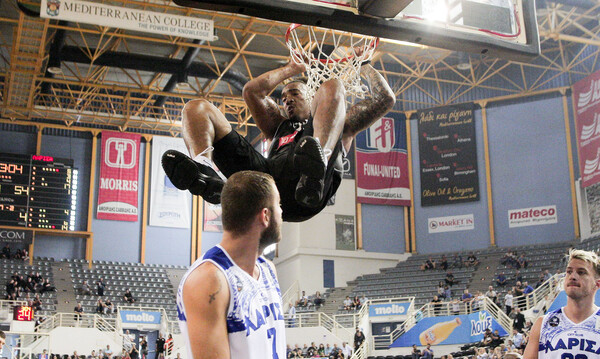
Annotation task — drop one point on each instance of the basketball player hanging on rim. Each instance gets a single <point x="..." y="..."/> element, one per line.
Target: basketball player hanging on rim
<point x="307" y="141"/>
<point x="572" y="331"/>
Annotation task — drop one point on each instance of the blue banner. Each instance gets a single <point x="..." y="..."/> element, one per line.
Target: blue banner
<point x="561" y="300"/>
<point x="388" y="309"/>
<point x="455" y="329"/>
<point x="140" y="317"/>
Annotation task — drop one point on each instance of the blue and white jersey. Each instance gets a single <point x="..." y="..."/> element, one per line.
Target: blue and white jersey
<point x="255" y="323"/>
<point x="560" y="338"/>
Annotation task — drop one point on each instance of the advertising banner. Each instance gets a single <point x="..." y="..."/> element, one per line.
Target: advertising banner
<point x="448" y="155"/>
<point x="458" y="329"/>
<point x="140" y="317"/>
<point x="344" y="232"/>
<point x="532" y="216"/>
<point x="586" y="95"/>
<point x="96" y="13"/>
<point x="451" y="223"/>
<point x="388" y="309"/>
<point x="212" y="217"/>
<point x="169" y="207"/>
<point x="382" y="164"/>
<point x="119" y="166"/>
<point x="18" y="237"/>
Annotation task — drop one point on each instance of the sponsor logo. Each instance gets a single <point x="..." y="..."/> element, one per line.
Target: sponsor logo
<point x="451" y="223"/>
<point x="141" y="317"/>
<point x="554" y="321"/>
<point x="478" y="327"/>
<point x="12" y="235"/>
<point x="120" y="153"/>
<point x="589" y="97"/>
<point x="591" y="130"/>
<point x="53" y="7"/>
<point x="381" y="135"/>
<point x="287" y="139"/>
<point x="591" y="166"/>
<point x="389" y="309"/>
<point x="532" y="216"/>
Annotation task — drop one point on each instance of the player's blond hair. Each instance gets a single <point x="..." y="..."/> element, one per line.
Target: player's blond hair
<point x="586" y="256"/>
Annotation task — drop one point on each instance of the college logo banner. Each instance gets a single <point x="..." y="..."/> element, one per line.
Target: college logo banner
<point x="127" y="18"/>
<point x="456" y="329"/>
<point x="448" y="155"/>
<point x="382" y="164"/>
<point x="169" y="207"/>
<point x="532" y="216"/>
<point x="119" y="166"/>
<point x="451" y="223"/>
<point x="586" y="94"/>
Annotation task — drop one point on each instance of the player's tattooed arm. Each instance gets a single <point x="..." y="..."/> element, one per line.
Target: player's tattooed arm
<point x="211" y="297"/>
<point x="381" y="100"/>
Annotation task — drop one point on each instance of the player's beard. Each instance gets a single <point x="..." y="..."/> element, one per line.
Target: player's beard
<point x="271" y="234"/>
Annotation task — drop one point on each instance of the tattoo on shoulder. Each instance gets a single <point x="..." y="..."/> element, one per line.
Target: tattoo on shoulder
<point x="211" y="297"/>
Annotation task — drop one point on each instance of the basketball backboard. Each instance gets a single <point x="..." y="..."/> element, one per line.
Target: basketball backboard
<point x="497" y="28"/>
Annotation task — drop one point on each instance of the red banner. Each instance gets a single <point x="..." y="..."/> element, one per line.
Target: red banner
<point x="119" y="169"/>
<point x="586" y="94"/>
<point x="382" y="164"/>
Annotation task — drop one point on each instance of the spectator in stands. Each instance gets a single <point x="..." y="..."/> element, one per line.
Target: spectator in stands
<point x="509" y="259"/>
<point x="108" y="352"/>
<point x="518" y="276"/>
<point x="497" y="353"/>
<point x="482" y="354"/>
<point x="440" y="289"/>
<point x="303" y="301"/>
<point x="359" y="338"/>
<point x="312" y="350"/>
<point x="75" y="355"/>
<point x="436" y="302"/>
<point x="472" y="260"/>
<point x="100" y="286"/>
<point x="43" y="355"/>
<point x="478" y="300"/>
<point x="491" y="293"/>
<point x="522" y="262"/>
<point x="428" y="264"/>
<point x="292" y="315"/>
<point x="78" y="311"/>
<point x="458" y="261"/>
<point x="447" y="293"/>
<point x="347" y="303"/>
<point x="416" y="353"/>
<point x="346" y="350"/>
<point x="11" y="290"/>
<point x="356" y="302"/>
<point x="527" y="288"/>
<point x="455" y="304"/>
<point x="519" y="321"/>
<point x="508" y="302"/>
<point x="517" y="339"/>
<point x="321" y="350"/>
<point x="144" y="347"/>
<point x="467" y="298"/>
<point x="444" y="262"/>
<point x="109" y="307"/>
<point x="134" y="354"/>
<point x="169" y="344"/>
<point x="100" y="307"/>
<point x="363" y="300"/>
<point x="128" y="297"/>
<point x="318" y="300"/>
<point x="427" y="352"/>
<point x="160" y="347"/>
<point x="547" y="275"/>
<point x="36" y="303"/>
<point x="47" y="287"/>
<point x="29" y="285"/>
<point x="6" y="254"/>
<point x="540" y="281"/>
<point x="450" y="279"/>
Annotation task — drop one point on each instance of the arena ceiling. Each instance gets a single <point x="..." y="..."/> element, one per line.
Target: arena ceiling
<point x="121" y="79"/>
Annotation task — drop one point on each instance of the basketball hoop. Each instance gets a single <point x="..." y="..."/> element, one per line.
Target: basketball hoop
<point x="343" y="62"/>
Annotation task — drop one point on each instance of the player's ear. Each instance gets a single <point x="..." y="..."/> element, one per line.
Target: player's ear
<point x="265" y="217"/>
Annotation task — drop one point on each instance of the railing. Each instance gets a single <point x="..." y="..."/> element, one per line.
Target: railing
<point x="547" y="291"/>
<point x="362" y="352"/>
<point x="6" y="307"/>
<point x="318" y="319"/>
<point x="291" y="295"/>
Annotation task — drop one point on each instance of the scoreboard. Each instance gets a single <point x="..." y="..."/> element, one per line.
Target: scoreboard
<point x="37" y="192"/>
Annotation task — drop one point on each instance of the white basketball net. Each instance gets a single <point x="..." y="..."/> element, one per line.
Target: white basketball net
<point x="349" y="52"/>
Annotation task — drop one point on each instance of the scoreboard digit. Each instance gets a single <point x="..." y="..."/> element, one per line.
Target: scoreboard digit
<point x="37" y="192"/>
